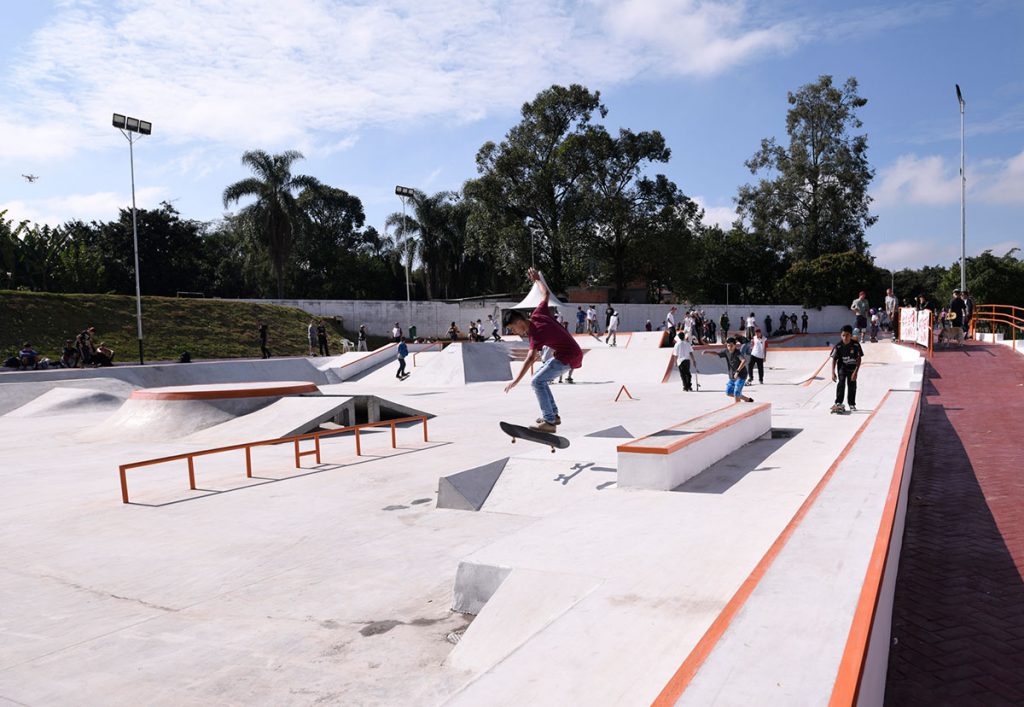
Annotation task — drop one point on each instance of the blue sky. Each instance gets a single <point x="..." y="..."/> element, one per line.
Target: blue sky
<point x="405" y="92"/>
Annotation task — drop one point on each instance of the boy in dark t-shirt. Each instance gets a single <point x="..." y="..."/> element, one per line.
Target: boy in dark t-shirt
<point x="846" y="357"/>
<point x="737" y="370"/>
<point x="544" y="330"/>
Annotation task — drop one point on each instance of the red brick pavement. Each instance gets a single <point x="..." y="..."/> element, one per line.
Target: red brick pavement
<point x="958" y="619"/>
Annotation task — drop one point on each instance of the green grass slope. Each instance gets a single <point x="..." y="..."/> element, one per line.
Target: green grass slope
<point x="206" y="328"/>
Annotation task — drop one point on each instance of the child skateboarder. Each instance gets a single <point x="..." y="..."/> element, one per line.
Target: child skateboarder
<point x="737" y="370"/>
<point x="544" y="330"/>
<point x="403" y="351"/>
<point x="846" y="358"/>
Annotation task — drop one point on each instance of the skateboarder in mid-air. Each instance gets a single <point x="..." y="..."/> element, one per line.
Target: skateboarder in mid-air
<point x="544" y="330"/>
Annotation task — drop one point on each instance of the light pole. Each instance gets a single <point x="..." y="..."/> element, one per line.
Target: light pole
<point x="727" y="294"/>
<point x="963" y="197"/>
<point x="404" y="193"/>
<point x="133" y="129"/>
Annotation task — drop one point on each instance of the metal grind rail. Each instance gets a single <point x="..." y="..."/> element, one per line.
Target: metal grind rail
<point x="248" y="446"/>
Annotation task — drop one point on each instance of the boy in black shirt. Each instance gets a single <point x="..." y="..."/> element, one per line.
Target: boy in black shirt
<point x="846" y="357"/>
<point x="737" y="370"/>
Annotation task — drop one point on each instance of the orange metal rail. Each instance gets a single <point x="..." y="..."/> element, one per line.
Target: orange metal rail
<point x="996" y="314"/>
<point x="247" y="446"/>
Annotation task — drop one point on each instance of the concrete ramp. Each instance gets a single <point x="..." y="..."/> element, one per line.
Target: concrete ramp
<point x="286" y="417"/>
<point x="523" y="605"/>
<point x="68" y="401"/>
<point x="468" y="490"/>
<point x="646" y="339"/>
<point x="484" y="362"/>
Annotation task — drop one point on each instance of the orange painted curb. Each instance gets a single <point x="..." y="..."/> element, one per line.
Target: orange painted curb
<point x="846" y="689"/>
<point x="676" y="446"/>
<point x="681" y="679"/>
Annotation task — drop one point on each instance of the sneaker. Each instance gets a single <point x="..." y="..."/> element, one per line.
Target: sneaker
<point x="853" y="408"/>
<point x="544" y="427"/>
<point x="570" y="380"/>
<point x="558" y="420"/>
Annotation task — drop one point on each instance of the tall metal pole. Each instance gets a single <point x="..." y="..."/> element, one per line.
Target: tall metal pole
<point x="963" y="198"/>
<point x="408" y="254"/>
<point x="135" y="240"/>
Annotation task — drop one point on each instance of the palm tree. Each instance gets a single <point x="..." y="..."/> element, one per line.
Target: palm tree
<point x="424" y="233"/>
<point x="275" y="213"/>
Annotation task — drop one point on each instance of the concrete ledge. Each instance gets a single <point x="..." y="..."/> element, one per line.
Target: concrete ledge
<point x="666" y="459"/>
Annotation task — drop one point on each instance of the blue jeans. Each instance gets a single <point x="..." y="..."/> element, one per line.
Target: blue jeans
<point x="734" y="387"/>
<point x="542" y="387"/>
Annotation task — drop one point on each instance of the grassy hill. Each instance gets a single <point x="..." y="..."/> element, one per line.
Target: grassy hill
<point x="206" y="328"/>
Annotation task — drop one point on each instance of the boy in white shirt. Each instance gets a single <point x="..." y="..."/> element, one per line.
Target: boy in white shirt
<point x="683" y="351"/>
<point x="758" y="353"/>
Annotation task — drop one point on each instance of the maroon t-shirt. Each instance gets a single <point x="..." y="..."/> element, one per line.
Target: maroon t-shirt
<point x="546" y="331"/>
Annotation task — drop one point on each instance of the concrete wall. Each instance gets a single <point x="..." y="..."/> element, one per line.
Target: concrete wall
<point x="433" y="318"/>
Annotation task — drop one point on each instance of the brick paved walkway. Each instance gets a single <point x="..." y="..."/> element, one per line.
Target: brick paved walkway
<point x="958" y="619"/>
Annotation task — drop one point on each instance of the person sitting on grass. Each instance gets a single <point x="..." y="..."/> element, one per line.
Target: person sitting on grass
<point x="69" y="356"/>
<point x="737" y="370"/>
<point x="103" y="356"/>
<point x="543" y="331"/>
<point x="28" y="356"/>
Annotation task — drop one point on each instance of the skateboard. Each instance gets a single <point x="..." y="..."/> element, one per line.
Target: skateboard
<point x="520" y="432"/>
<point x="840" y="411"/>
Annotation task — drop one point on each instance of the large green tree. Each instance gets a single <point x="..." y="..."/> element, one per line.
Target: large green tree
<point x="275" y="210"/>
<point x="530" y="195"/>
<point x="812" y="198"/>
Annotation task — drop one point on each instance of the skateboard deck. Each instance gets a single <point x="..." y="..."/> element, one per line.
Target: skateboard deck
<point x="520" y="432"/>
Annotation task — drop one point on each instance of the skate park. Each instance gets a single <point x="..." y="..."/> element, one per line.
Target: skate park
<point x="318" y="530"/>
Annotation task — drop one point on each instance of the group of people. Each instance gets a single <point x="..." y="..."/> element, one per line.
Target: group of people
<point x="80" y="352"/>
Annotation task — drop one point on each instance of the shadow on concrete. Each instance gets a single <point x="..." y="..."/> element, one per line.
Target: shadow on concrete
<point x="958" y="614"/>
<point x="723" y="475"/>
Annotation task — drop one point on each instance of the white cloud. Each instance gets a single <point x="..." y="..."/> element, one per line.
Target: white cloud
<point x="723" y="216"/>
<point x="933" y="181"/>
<point x="312" y="72"/>
<point x="914" y="252"/>
<point x="917" y="180"/>
<point x="54" y="211"/>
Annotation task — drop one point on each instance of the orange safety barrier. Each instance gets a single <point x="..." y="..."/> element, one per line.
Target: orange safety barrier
<point x="621" y="391"/>
<point x="998" y="315"/>
<point x="247" y="446"/>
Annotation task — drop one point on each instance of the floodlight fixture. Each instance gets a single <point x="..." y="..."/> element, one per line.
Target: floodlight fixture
<point x="133" y="129"/>
<point x="405" y="191"/>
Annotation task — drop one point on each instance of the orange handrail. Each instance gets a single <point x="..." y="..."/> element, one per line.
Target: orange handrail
<point x="999" y="314"/>
<point x="247" y="446"/>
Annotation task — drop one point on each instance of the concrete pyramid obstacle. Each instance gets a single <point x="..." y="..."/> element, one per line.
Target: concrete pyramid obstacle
<point x="467" y="490"/>
<point x="617" y="432"/>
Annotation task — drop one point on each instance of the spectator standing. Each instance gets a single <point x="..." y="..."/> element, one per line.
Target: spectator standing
<point x="758" y="353"/>
<point x="592" y="327"/>
<point x="453" y="332"/>
<point x="321" y="338"/>
<point x="792" y="322"/>
<point x="608" y="312"/>
<point x="647" y="326"/>
<point x="751" y="326"/>
<point x="361" y="338"/>
<point x="968" y="313"/>
<point x="767" y="325"/>
<point x="493" y="325"/>
<point x="860" y="308"/>
<point x="846" y="357"/>
<point x="311" y="336"/>
<point x="264" y="351"/>
<point x="613" y="328"/>
<point x="683" y="352"/>
<point x="723" y="326"/>
<point x="957" y="310"/>
<point x="803" y="323"/>
<point x="581" y="316"/>
<point x="670" y="324"/>
<point x="396" y="332"/>
<point x="783" y="322"/>
<point x="890" y="308"/>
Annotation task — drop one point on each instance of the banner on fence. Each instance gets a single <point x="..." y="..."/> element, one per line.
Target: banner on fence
<point x="915" y="326"/>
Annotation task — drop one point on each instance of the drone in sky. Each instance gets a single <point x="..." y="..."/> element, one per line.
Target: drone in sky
<point x="30" y="178"/>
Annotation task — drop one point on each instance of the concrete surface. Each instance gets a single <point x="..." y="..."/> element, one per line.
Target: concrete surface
<point x="335" y="583"/>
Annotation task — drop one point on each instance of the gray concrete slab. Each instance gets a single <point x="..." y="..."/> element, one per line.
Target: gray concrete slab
<point x="468" y="490"/>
